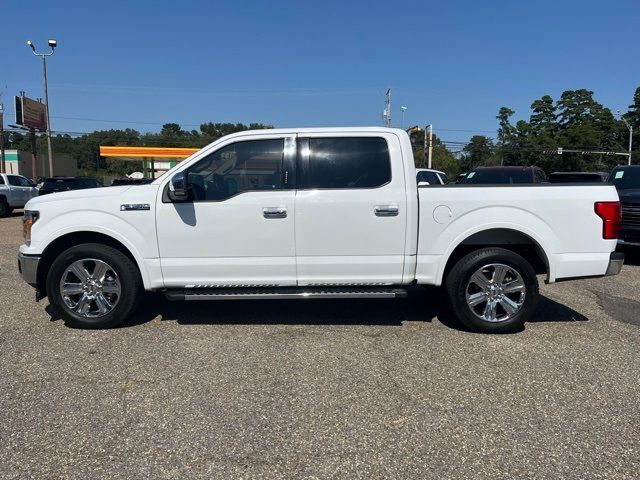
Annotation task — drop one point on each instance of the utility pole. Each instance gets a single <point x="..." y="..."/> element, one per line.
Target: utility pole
<point x="2" y="157"/>
<point x="34" y="176"/>
<point x="430" y="127"/>
<point x="630" y="127"/>
<point x="387" y="110"/>
<point x="52" y="44"/>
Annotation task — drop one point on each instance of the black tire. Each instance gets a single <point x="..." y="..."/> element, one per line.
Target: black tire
<point x="128" y="279"/>
<point x="5" y="209"/>
<point x="460" y="287"/>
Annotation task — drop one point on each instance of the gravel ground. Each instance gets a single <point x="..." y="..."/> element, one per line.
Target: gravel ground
<point x="321" y="389"/>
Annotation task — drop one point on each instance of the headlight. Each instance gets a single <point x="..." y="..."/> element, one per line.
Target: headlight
<point x="28" y="219"/>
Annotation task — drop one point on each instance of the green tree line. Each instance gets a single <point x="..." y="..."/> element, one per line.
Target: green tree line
<point x="575" y="121"/>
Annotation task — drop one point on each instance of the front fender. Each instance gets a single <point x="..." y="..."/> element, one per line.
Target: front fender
<point x="136" y="233"/>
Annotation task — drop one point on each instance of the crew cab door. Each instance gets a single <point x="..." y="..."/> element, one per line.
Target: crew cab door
<point x="237" y="227"/>
<point x="350" y="209"/>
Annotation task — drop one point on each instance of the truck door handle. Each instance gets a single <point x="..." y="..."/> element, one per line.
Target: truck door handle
<point x="386" y="210"/>
<point x="274" y="212"/>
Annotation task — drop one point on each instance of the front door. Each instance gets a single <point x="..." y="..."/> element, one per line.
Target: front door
<point x="351" y="210"/>
<point x="237" y="229"/>
<point x="20" y="189"/>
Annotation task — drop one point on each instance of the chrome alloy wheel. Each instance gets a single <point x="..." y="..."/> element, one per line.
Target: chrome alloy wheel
<point x="495" y="292"/>
<point x="90" y="288"/>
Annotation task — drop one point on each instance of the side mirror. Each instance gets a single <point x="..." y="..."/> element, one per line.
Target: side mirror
<point x="178" y="188"/>
<point x="423" y="184"/>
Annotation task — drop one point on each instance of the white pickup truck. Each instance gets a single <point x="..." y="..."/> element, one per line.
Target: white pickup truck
<point x="15" y="192"/>
<point x="314" y="213"/>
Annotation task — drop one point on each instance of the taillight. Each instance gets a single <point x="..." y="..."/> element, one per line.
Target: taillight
<point x="611" y="215"/>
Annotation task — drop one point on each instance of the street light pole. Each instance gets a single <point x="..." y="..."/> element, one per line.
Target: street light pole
<point x="52" y="44"/>
<point x="430" y="127"/>
<point x="630" y="127"/>
<point x="402" y="121"/>
<point x="2" y="159"/>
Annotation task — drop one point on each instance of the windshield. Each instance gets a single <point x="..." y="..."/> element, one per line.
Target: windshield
<point x="58" y="183"/>
<point x="575" y="178"/>
<point x="491" y="175"/>
<point x="625" y="177"/>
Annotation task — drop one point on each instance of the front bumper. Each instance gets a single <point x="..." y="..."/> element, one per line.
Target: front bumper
<point x="616" y="260"/>
<point x="28" y="268"/>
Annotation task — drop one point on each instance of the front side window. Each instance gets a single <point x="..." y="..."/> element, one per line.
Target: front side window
<point x="348" y="162"/>
<point x="25" y="182"/>
<point x="254" y="165"/>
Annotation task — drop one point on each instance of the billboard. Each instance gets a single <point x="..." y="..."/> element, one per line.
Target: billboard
<point x="31" y="113"/>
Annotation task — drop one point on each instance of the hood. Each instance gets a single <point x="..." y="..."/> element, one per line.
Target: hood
<point x="90" y="194"/>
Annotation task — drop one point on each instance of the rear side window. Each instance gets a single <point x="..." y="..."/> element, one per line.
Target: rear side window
<point x="1" y="180"/>
<point x="13" y="180"/>
<point x="348" y="162"/>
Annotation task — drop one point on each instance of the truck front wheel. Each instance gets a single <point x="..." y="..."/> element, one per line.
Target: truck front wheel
<point x="492" y="290"/>
<point x="94" y="286"/>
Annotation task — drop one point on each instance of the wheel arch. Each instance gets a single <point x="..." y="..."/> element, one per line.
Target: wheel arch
<point x="65" y="241"/>
<point x="515" y="240"/>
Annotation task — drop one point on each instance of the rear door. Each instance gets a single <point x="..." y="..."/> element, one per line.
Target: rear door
<point x="350" y="209"/>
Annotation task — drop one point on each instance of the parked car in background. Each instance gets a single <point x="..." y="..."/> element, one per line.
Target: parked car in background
<point x="578" y="177"/>
<point x="130" y="181"/>
<point x="460" y="177"/>
<point x="504" y="175"/>
<point x="627" y="181"/>
<point x="430" y="176"/>
<point x="314" y="213"/>
<point x="15" y="192"/>
<point x="64" y="184"/>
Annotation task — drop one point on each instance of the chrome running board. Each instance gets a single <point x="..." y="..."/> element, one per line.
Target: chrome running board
<point x="284" y="293"/>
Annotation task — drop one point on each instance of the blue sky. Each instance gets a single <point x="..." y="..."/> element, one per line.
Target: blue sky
<point x="453" y="63"/>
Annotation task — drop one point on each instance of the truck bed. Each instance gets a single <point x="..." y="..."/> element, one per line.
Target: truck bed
<point x="559" y="220"/>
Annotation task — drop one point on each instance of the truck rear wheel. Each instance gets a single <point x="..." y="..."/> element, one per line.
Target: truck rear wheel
<point x="94" y="286"/>
<point x="492" y="290"/>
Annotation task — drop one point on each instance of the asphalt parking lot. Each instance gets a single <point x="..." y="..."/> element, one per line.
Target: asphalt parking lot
<point x="321" y="389"/>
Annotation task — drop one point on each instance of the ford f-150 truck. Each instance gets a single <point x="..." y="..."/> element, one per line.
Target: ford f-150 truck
<point x="314" y="213"/>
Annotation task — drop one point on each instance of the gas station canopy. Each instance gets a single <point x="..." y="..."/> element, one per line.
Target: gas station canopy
<point x="147" y="152"/>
